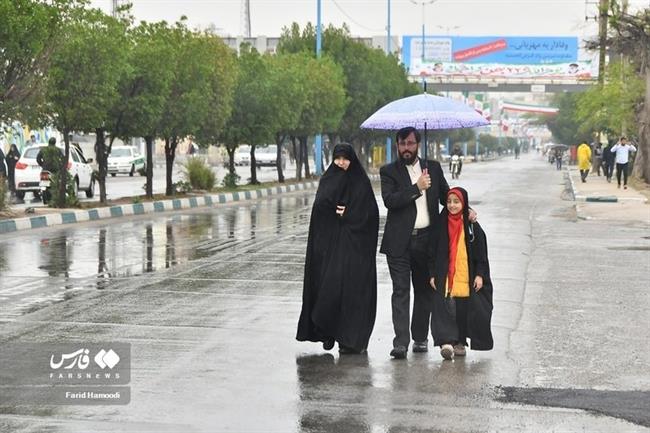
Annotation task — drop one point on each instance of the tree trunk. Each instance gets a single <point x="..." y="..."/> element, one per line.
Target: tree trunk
<point x="279" y="139"/>
<point x="304" y="153"/>
<point x="253" y="166"/>
<point x="149" y="145"/>
<point x="170" y="154"/>
<point x="642" y="159"/>
<point x="63" y="170"/>
<point x="101" y="156"/>
<point x="334" y="139"/>
<point x="297" y="153"/>
<point x="231" y="160"/>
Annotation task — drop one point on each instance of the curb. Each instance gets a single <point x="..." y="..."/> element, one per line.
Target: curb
<point x="95" y="214"/>
<point x="600" y="198"/>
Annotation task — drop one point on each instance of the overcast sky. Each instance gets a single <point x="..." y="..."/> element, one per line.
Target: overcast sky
<point x="369" y="17"/>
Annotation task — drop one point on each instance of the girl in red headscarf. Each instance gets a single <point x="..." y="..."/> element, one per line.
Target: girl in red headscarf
<point x="462" y="302"/>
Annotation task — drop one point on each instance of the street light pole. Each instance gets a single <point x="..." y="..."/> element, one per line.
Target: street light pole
<point x="389" y="143"/>
<point x="318" y="157"/>
<point x="423" y="3"/>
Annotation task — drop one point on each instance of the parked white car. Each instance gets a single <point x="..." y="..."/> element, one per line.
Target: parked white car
<point x="126" y="160"/>
<point x="243" y="155"/>
<point x="268" y="155"/>
<point x="28" y="172"/>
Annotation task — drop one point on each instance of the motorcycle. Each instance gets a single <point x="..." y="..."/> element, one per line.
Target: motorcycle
<point x="454" y="166"/>
<point x="44" y="185"/>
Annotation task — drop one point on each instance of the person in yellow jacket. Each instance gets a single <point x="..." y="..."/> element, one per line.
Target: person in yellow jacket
<point x="584" y="160"/>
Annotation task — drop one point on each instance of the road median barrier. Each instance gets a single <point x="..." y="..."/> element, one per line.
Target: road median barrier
<point x="71" y="216"/>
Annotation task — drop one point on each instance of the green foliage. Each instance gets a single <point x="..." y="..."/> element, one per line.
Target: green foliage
<point x="614" y="104"/>
<point x="487" y="143"/>
<point x="564" y="126"/>
<point x="230" y="180"/>
<point x="182" y="186"/>
<point x="3" y="193"/>
<point x="29" y="31"/>
<point x="371" y="78"/>
<point x="70" y="199"/>
<point x="198" y="174"/>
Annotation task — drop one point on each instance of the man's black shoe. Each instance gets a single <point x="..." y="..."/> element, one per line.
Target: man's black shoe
<point x="328" y="344"/>
<point x="420" y="346"/>
<point x="398" y="352"/>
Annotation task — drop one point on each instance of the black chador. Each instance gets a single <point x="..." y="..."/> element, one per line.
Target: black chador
<point x="340" y="284"/>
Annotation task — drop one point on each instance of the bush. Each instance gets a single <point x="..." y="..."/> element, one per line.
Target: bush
<point x="3" y="193"/>
<point x="70" y="199"/>
<point x="230" y="180"/>
<point x="198" y="174"/>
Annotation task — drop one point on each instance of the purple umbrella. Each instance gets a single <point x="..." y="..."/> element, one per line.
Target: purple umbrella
<point x="425" y="111"/>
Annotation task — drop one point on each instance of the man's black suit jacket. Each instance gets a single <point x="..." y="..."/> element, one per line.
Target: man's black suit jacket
<point x="399" y="195"/>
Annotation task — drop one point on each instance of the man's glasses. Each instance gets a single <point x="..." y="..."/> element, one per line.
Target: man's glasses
<point x="407" y="143"/>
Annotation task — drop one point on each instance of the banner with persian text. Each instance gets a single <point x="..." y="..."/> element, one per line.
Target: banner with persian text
<point x="496" y="56"/>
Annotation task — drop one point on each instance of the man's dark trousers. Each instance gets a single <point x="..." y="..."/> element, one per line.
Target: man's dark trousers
<point x="411" y="267"/>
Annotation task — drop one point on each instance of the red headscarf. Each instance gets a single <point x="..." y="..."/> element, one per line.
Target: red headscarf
<point x="454" y="228"/>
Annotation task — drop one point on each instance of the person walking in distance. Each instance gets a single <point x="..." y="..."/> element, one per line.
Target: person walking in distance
<point x="622" y="151"/>
<point x="584" y="161"/>
<point x="412" y="190"/>
<point x="608" y="161"/>
<point x="12" y="158"/>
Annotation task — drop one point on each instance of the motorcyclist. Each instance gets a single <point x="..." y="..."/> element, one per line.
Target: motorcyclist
<point x="50" y="158"/>
<point x="456" y="151"/>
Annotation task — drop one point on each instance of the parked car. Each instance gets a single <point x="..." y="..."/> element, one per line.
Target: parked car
<point x="243" y="155"/>
<point x="126" y="160"/>
<point x="268" y="155"/>
<point x="28" y="172"/>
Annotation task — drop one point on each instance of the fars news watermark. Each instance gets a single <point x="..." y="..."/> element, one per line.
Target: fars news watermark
<point x="65" y="373"/>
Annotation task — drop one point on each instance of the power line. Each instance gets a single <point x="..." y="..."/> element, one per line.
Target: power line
<point x="353" y="20"/>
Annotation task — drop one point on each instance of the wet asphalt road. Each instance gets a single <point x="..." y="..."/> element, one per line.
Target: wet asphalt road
<point x="209" y="302"/>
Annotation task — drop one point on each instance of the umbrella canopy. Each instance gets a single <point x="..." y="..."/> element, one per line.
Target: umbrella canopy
<point x="561" y="147"/>
<point x="425" y="111"/>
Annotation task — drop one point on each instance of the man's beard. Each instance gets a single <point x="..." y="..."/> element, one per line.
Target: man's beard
<point x="411" y="159"/>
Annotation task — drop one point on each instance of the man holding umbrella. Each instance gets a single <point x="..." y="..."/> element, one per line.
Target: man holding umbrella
<point x="411" y="189"/>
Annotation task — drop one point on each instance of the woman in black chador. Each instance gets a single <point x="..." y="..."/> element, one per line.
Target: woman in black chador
<point x="339" y="295"/>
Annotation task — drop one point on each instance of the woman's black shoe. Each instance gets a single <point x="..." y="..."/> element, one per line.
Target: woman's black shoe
<point x="328" y="344"/>
<point x="344" y="350"/>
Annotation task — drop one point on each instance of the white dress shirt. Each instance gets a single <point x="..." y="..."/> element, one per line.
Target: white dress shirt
<point x="623" y="152"/>
<point x="422" y="218"/>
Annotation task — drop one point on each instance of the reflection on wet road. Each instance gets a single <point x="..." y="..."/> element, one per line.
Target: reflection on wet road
<point x="48" y="266"/>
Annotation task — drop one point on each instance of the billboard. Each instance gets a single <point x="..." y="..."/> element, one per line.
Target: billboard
<point x="495" y="56"/>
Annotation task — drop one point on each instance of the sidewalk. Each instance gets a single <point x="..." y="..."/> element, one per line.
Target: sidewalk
<point x="601" y="200"/>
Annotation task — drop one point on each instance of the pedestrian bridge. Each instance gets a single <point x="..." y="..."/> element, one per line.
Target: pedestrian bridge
<point x="460" y="83"/>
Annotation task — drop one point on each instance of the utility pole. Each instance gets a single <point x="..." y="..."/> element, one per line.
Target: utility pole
<point x="246" y="18"/>
<point x="603" y="9"/>
<point x="318" y="151"/>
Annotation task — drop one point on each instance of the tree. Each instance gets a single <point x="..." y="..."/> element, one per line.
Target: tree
<point x="223" y="62"/>
<point x="564" y="126"/>
<point x="186" y="105"/>
<point x="609" y="107"/>
<point x="80" y="84"/>
<point x="323" y="108"/>
<point x="630" y="35"/>
<point x="248" y="122"/>
<point x="286" y="84"/>
<point x="145" y="89"/>
<point x="372" y="78"/>
<point x="29" y="31"/>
